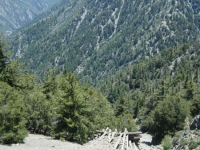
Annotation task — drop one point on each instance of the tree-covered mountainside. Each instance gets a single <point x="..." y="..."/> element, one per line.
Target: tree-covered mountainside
<point x="96" y="38"/>
<point x="60" y="106"/>
<point x="14" y="14"/>
<point x="135" y="49"/>
<point x="161" y="91"/>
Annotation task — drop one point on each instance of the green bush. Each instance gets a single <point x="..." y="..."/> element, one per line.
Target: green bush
<point x="183" y="142"/>
<point x="167" y="142"/>
<point x="193" y="144"/>
<point x="126" y="121"/>
<point x="169" y="116"/>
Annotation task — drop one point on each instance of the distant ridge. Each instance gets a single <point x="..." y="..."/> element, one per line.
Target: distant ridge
<point x="15" y="14"/>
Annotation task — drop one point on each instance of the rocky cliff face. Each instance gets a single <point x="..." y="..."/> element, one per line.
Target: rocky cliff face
<point x="15" y="13"/>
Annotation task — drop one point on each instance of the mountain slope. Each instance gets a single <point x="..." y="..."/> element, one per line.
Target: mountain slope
<point x="96" y="38"/>
<point x="14" y="13"/>
<point x="160" y="90"/>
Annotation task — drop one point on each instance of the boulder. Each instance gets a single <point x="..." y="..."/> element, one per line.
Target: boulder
<point x="195" y="123"/>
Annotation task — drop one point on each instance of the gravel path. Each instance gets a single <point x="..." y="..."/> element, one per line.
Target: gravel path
<point x="145" y="143"/>
<point x="40" y="142"/>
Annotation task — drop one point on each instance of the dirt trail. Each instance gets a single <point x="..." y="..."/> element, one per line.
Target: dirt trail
<point x="40" y="142"/>
<point x="145" y="143"/>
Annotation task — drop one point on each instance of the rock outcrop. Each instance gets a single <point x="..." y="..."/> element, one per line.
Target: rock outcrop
<point x="195" y="123"/>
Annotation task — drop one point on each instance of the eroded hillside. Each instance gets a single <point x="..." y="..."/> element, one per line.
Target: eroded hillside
<point x="96" y="38"/>
<point x="14" y="13"/>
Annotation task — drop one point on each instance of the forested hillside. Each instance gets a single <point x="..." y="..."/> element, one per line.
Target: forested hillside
<point x="60" y="106"/>
<point x="97" y="38"/>
<point x="15" y="14"/>
<point x="143" y="56"/>
<point x="161" y="91"/>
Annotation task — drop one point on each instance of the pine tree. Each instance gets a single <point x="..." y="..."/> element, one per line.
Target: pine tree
<point x="12" y="115"/>
<point x="73" y="123"/>
<point x="2" y="56"/>
<point x="81" y="110"/>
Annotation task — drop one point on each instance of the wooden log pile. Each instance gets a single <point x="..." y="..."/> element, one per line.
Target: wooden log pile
<point x="123" y="141"/>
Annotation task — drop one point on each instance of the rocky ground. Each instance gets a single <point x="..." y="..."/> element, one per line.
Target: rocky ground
<point x="40" y="142"/>
<point x="187" y="140"/>
<point x="145" y="143"/>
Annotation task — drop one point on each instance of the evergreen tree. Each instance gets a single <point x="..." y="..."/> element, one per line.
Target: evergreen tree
<point x="11" y="73"/>
<point x="50" y="84"/>
<point x="195" y="105"/>
<point x="9" y="69"/>
<point x="12" y="115"/>
<point x="81" y="110"/>
<point x="73" y="123"/>
<point x="2" y="56"/>
<point x="40" y="112"/>
<point x="121" y="106"/>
